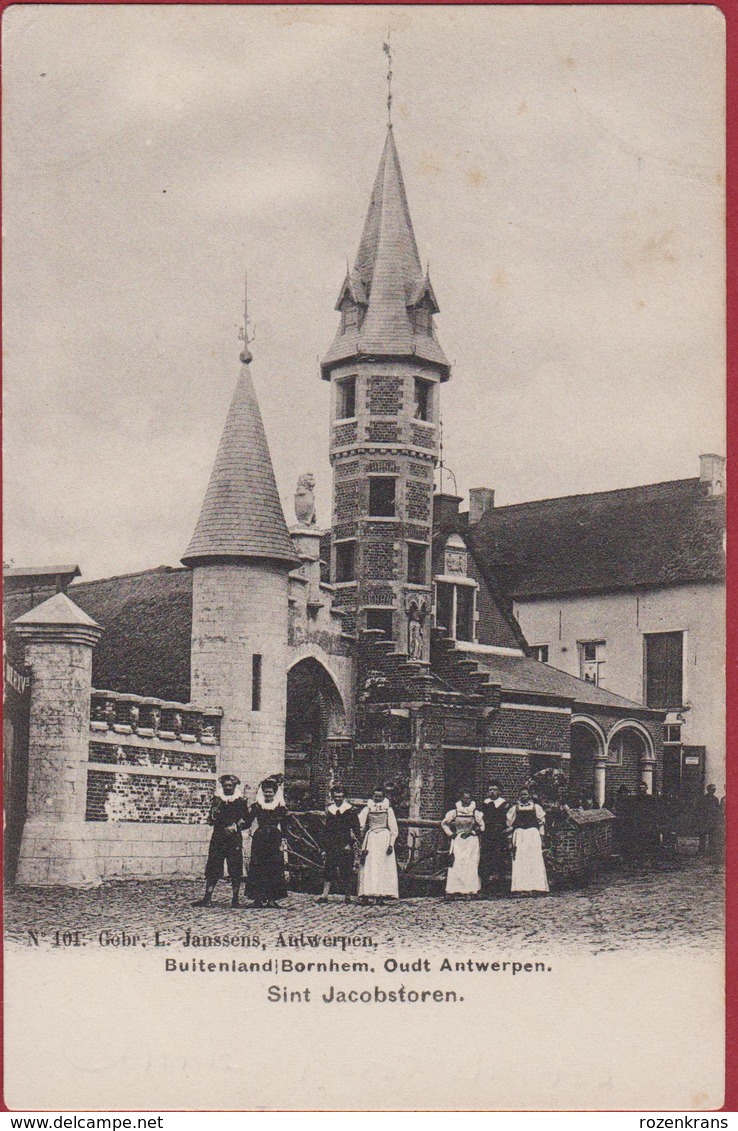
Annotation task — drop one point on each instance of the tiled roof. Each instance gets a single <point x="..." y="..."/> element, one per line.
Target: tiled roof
<point x="387" y="278"/>
<point x="524" y="674"/>
<point x="662" y="534"/>
<point x="242" y="516"/>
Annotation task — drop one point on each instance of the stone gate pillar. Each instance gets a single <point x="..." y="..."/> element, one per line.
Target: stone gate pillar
<point x="59" y="639"/>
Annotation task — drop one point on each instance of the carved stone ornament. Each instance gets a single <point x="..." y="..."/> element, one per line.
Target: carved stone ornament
<point x="305" y="499"/>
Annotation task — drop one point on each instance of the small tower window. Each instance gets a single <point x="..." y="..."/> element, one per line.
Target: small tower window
<point x="346" y="402"/>
<point x="346" y="561"/>
<point x="422" y="318"/>
<point x="381" y="619"/>
<point x="381" y="497"/>
<point x="256" y="682"/>
<point x="423" y="399"/>
<point x="350" y="317"/>
<point x="417" y="555"/>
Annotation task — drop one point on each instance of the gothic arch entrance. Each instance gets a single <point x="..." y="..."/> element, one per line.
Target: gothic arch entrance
<point x="315" y="715"/>
<point x="587" y="748"/>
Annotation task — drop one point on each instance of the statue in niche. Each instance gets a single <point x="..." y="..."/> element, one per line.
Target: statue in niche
<point x="305" y="499"/>
<point x="416" y="615"/>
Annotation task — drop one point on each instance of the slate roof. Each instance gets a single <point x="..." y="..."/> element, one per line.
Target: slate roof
<point x="387" y="279"/>
<point x="661" y="534"/>
<point x="524" y="674"/>
<point x="242" y="516"/>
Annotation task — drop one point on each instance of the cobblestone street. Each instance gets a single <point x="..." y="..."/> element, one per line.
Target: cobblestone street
<point x="679" y="905"/>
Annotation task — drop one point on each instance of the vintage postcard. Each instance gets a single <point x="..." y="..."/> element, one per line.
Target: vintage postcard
<point x="364" y="376"/>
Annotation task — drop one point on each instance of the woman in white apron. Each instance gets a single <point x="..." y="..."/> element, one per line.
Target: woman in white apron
<point x="378" y="870"/>
<point x="526" y="822"/>
<point x="462" y="825"/>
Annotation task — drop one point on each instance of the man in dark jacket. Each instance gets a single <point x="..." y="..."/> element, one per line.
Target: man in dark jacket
<point x="341" y="835"/>
<point x="494" y="849"/>
<point x="228" y="815"/>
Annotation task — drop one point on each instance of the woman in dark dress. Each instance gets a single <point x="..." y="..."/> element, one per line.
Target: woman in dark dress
<point x="266" y="881"/>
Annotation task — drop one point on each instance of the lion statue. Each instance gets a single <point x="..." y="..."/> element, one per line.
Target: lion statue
<point x="305" y="499"/>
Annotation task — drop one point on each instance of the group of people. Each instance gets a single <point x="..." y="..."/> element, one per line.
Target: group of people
<point x="649" y="824"/>
<point x="230" y="815"/>
<point x="488" y="841"/>
<point x="485" y="843"/>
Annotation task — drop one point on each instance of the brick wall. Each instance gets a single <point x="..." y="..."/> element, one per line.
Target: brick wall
<point x="511" y="770"/>
<point x="146" y="798"/>
<point x="379" y="560"/>
<point x="418" y="500"/>
<point x="423" y="437"/>
<point x="346" y="499"/>
<point x="346" y="468"/>
<point x="344" y="530"/>
<point x="531" y="730"/>
<point x="385" y="395"/>
<point x="344" y="434"/>
<point x="382" y="432"/>
<point x="380" y="595"/>
<point x="382" y="466"/>
<point x="420" y="469"/>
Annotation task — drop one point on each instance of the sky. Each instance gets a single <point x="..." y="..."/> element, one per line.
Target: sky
<point x="565" y="175"/>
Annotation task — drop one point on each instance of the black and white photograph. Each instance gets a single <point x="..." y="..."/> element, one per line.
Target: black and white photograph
<point x="364" y="557"/>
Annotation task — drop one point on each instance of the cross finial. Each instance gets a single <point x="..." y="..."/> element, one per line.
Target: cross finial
<point x="387" y="48"/>
<point x="243" y="334"/>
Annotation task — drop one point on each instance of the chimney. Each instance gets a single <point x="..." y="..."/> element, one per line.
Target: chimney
<point x="445" y="508"/>
<point x="712" y="473"/>
<point x="481" y="499"/>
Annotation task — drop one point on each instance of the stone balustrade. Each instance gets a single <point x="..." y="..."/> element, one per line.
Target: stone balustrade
<point x="119" y="713"/>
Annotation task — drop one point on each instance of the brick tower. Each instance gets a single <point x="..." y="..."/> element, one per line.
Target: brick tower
<point x="240" y="555"/>
<point x="385" y="367"/>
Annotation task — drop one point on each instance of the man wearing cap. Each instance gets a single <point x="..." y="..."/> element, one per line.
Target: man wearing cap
<point x="229" y="815"/>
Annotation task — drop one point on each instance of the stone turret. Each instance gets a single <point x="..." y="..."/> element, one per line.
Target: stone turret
<point x="240" y="555"/>
<point x="385" y="366"/>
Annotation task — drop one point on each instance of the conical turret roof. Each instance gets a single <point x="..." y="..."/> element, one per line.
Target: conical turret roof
<point x="242" y="516"/>
<point x="387" y="279"/>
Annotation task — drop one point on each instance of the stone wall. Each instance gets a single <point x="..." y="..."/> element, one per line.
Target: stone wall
<point x="151" y="772"/>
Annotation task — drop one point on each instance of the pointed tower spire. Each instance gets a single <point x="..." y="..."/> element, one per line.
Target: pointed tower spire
<point x="241" y="516"/>
<point x="383" y="301"/>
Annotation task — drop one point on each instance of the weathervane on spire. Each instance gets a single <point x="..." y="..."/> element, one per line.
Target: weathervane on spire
<point x="243" y="334"/>
<point x="387" y="48"/>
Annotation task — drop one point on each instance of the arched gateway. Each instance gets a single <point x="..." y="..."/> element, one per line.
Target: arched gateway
<point x="316" y="718"/>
